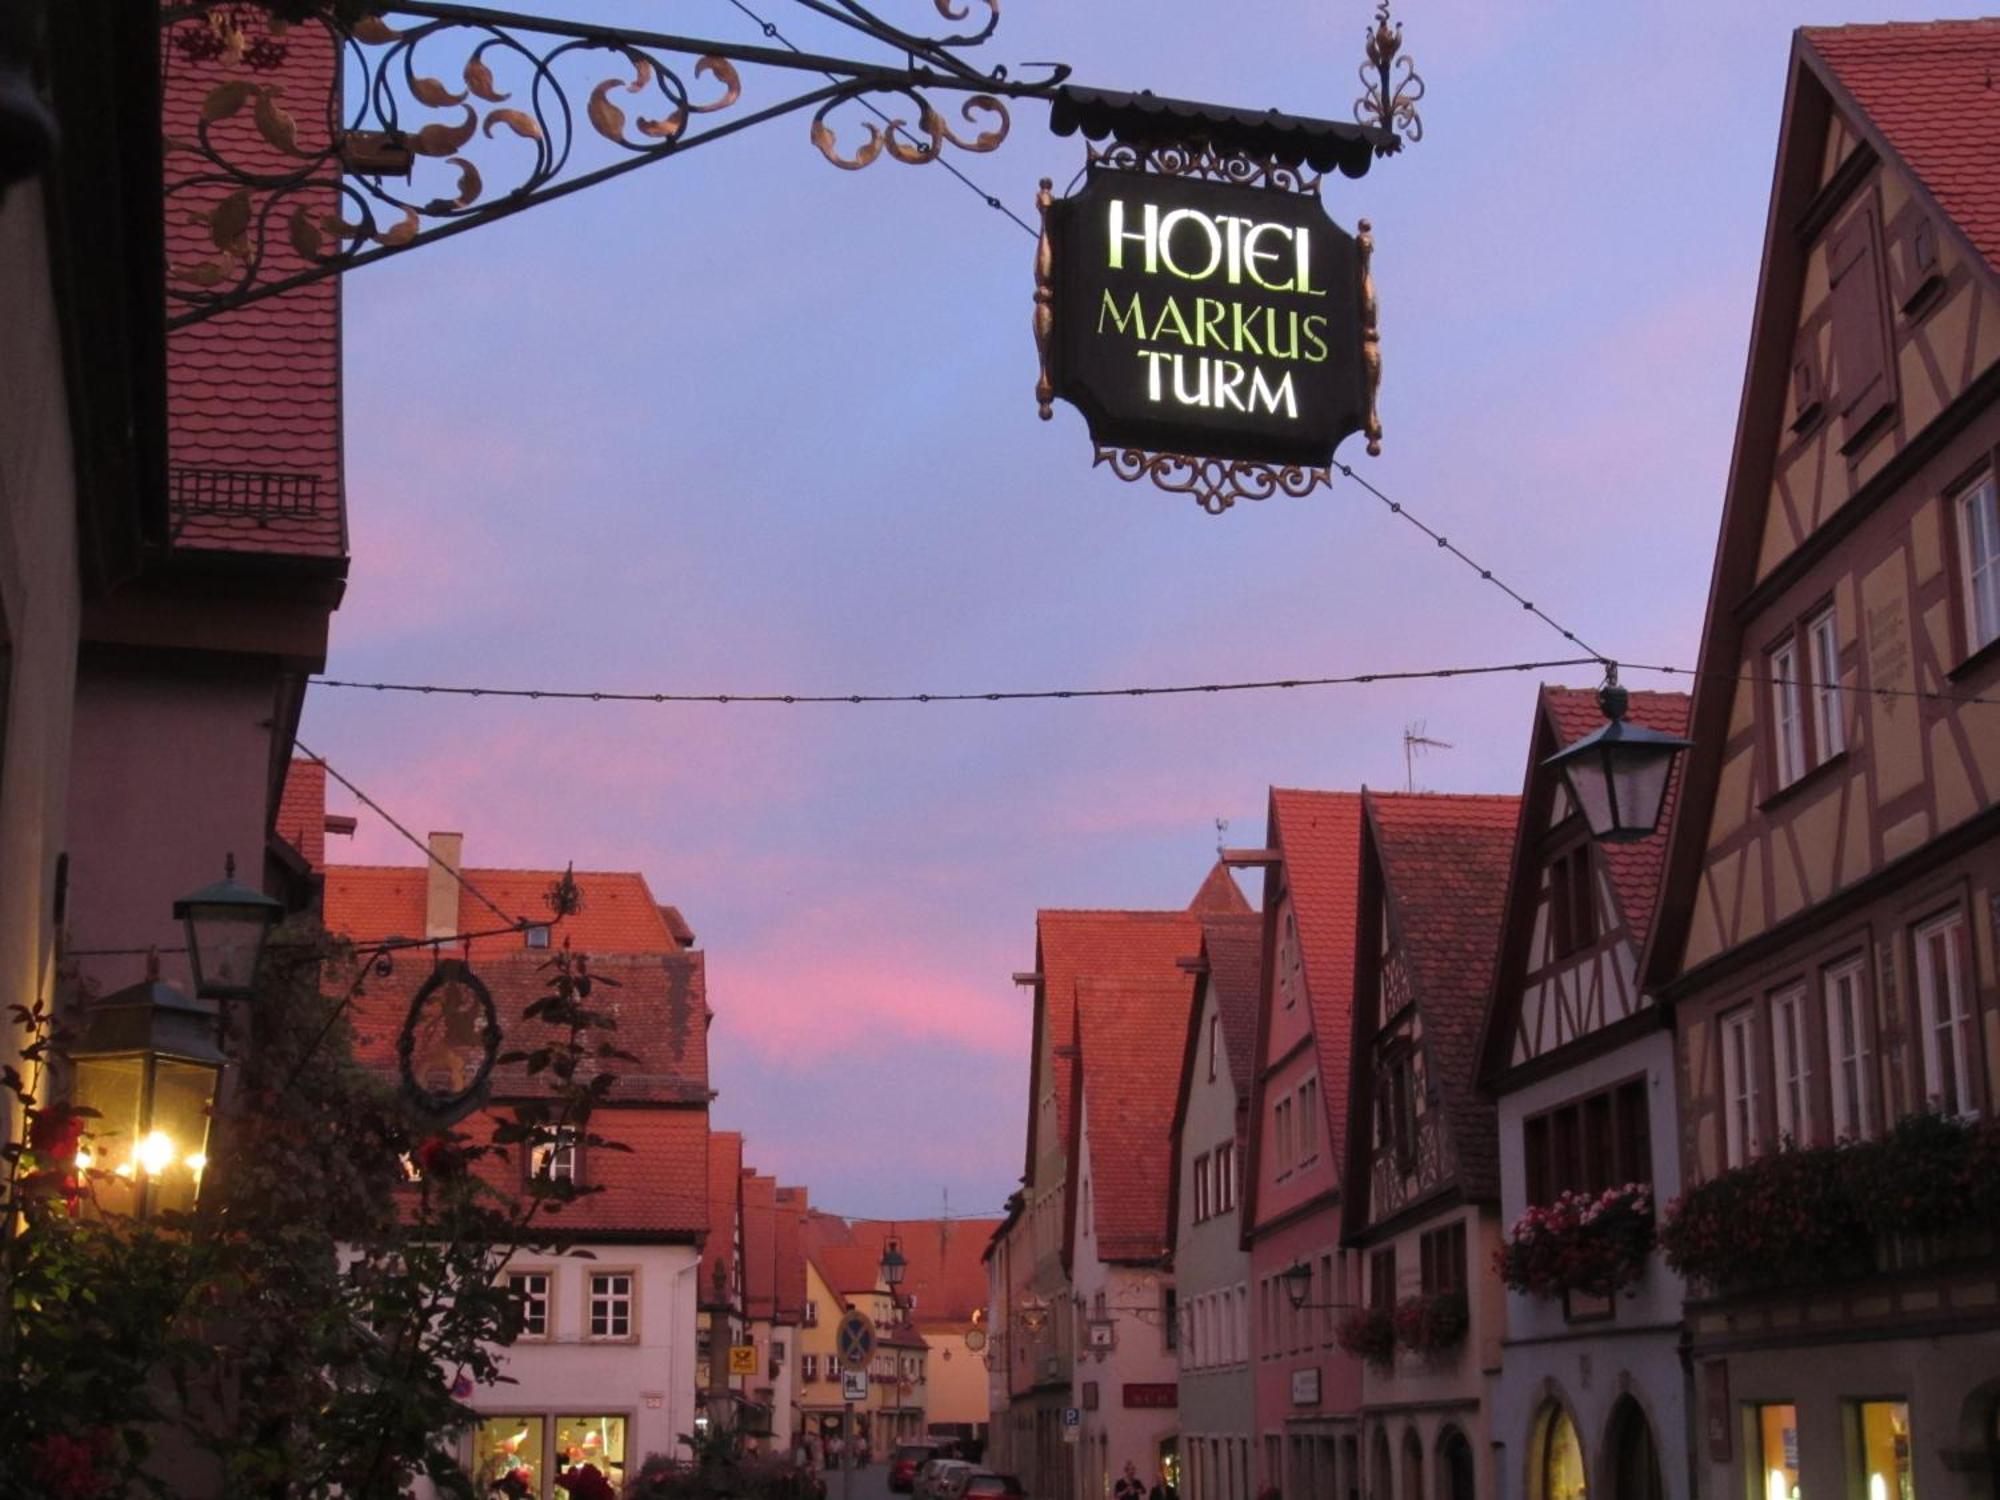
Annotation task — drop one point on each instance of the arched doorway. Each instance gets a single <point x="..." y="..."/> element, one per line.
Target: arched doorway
<point x="1455" y="1479"/>
<point x="1381" y="1482"/>
<point x="1556" y="1469"/>
<point x="1632" y="1462"/>
<point x="1413" y="1466"/>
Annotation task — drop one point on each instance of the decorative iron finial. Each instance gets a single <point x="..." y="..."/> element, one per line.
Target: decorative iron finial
<point x="1387" y="101"/>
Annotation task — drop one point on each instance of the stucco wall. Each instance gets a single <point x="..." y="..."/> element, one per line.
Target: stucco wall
<point x="39" y="610"/>
<point x="1588" y="1366"/>
<point x="171" y="772"/>
<point x="1217" y="1395"/>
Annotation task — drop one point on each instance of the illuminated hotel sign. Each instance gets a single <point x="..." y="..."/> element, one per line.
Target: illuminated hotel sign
<point x="1206" y="318"/>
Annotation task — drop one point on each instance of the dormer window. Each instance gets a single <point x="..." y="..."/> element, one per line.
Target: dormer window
<point x="554" y="1159"/>
<point x="1572" y="902"/>
<point x="537" y="936"/>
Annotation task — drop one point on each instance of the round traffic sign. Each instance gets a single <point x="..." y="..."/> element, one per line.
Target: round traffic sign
<point x="856" y="1339"/>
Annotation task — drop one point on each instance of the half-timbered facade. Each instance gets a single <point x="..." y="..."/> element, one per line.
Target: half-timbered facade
<point x="1422" y="1210"/>
<point x="1827" y="932"/>
<point x="1581" y="1068"/>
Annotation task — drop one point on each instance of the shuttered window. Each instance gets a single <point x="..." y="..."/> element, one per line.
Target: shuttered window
<point x="1863" y="384"/>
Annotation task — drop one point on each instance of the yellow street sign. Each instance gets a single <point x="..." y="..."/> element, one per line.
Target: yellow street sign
<point x="743" y="1359"/>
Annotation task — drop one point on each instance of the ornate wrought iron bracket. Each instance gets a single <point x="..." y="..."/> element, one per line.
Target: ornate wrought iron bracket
<point x="464" y="115"/>
<point x="329" y="137"/>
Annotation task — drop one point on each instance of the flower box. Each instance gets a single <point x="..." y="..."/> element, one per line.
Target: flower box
<point x="1369" y="1332"/>
<point x="1432" y="1323"/>
<point x="1589" y="1244"/>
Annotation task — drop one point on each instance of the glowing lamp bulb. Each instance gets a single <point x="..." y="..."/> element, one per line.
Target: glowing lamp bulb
<point x="83" y="1158"/>
<point x="1777" y="1487"/>
<point x="154" y="1153"/>
<point x="197" y="1162"/>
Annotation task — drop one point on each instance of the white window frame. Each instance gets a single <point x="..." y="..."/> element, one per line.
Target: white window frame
<point x="1282" y="1118"/>
<point x="1788" y="727"/>
<point x="1847" y="1059"/>
<point x="1201" y="1197"/>
<point x="546" y="1297"/>
<point x="1309" y="1120"/>
<point x="1225" y="1176"/>
<point x="1979" y="562"/>
<point x="1829" y="714"/>
<point x="554" y="1159"/>
<point x="1952" y="1025"/>
<point x="1741" y="1139"/>
<point x="1791" y="1064"/>
<point x="610" y="1303"/>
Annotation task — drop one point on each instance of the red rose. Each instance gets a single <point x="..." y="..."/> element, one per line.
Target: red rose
<point x="56" y="1131"/>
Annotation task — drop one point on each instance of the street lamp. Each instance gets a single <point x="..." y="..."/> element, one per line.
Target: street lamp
<point x="226" y="926"/>
<point x="1618" y="775"/>
<point x="148" y="1063"/>
<point x="1298" y="1280"/>
<point x="893" y="1266"/>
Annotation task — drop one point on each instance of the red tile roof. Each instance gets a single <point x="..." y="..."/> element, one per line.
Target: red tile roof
<point x="618" y="914"/>
<point x="1444" y="862"/>
<point x="1635" y="868"/>
<point x="1132" y="1032"/>
<point x="657" y="1188"/>
<point x="1234" y="947"/>
<point x="790" y="1255"/>
<point x="1072" y="945"/>
<point x="850" y="1270"/>
<point x="942" y="1270"/>
<point x="658" y="1001"/>
<point x="1219" y="895"/>
<point x="725" y="1202"/>
<point x="256" y="391"/>
<point x="1928" y="87"/>
<point x="760" y="1244"/>
<point x="301" y="820"/>
<point x="1319" y="836"/>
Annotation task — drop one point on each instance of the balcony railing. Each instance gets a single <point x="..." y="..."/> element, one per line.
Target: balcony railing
<point x="264" y="495"/>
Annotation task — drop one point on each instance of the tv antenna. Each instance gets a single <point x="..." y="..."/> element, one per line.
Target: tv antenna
<point x="1415" y="743"/>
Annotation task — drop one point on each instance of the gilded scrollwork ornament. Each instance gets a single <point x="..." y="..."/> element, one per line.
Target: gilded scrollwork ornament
<point x="324" y="142"/>
<point x="1205" y="163"/>
<point x="1216" y="484"/>
<point x="1389" y="101"/>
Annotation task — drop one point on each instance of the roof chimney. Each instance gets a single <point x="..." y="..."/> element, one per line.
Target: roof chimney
<point x="441" y="893"/>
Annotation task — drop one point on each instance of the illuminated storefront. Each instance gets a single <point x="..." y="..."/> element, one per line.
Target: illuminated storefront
<point x="532" y="1449"/>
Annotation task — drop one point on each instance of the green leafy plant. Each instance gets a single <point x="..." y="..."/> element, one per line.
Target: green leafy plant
<point x="1432" y="1322"/>
<point x="1369" y="1332"/>
<point x="315" y="1323"/>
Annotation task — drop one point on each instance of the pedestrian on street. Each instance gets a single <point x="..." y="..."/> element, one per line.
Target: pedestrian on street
<point x="1164" y="1489"/>
<point x="1129" y="1486"/>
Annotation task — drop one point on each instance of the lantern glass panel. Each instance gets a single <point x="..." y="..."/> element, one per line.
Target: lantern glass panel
<point x="1589" y="780"/>
<point x="116" y="1088"/>
<point x="1642" y="789"/>
<point x="224" y="942"/>
<point x="183" y="1094"/>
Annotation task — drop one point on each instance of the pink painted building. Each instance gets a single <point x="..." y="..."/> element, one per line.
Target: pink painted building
<point x="1308" y="1391"/>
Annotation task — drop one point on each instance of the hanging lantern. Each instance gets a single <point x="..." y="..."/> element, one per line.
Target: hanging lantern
<point x="893" y="1265"/>
<point x="1618" y="775"/>
<point x="226" y="925"/>
<point x="148" y="1063"/>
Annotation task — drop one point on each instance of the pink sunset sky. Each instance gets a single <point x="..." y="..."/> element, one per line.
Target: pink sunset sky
<point x="741" y="422"/>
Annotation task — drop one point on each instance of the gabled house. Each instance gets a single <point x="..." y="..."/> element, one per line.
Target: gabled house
<point x="1422" y="1209"/>
<point x="1034" y="1328"/>
<point x="1580" y="1064"/>
<point x="604" y="1371"/>
<point x="1826" y="934"/>
<point x="1308" y="1390"/>
<point x="846" y="1265"/>
<point x="758" y="1411"/>
<point x="1130" y="1032"/>
<point x="720" y="1320"/>
<point x="1208" y="1145"/>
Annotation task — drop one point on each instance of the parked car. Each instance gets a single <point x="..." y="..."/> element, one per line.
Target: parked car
<point x="907" y="1459"/>
<point x="983" y="1483"/>
<point x="926" y="1472"/>
<point x="942" y="1475"/>
<point x="954" y="1484"/>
